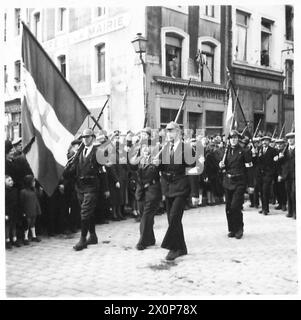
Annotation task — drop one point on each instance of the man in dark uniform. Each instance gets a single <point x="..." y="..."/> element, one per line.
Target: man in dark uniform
<point x="176" y="188"/>
<point x="279" y="182"/>
<point x="266" y="169"/>
<point x="288" y="174"/>
<point x="238" y="175"/>
<point x="148" y="194"/>
<point x="89" y="175"/>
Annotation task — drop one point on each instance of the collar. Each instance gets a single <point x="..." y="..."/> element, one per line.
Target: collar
<point x="89" y="148"/>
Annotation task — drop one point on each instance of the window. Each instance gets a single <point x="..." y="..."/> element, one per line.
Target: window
<point x="62" y="64"/>
<point x="173" y="56"/>
<point x="168" y="115"/>
<point x="100" y="52"/>
<point x="209" y="11"/>
<point x="61" y="19"/>
<point x="17" y="71"/>
<point x="37" y="25"/>
<point x="5" y="25"/>
<point x="289" y="23"/>
<point x="242" y="21"/>
<point x="207" y="62"/>
<point x="17" y="21"/>
<point x="289" y="77"/>
<point x="214" y="122"/>
<point x="266" y="34"/>
<point x="100" y="11"/>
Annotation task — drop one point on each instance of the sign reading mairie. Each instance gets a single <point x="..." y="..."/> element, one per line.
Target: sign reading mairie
<point x="97" y="29"/>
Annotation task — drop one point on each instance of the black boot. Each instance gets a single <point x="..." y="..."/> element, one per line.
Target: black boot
<point x="82" y="243"/>
<point x="93" y="237"/>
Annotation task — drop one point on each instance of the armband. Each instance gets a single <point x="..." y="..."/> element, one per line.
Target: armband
<point x="249" y="165"/>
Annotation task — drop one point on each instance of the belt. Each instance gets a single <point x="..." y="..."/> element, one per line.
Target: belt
<point x="86" y="178"/>
<point x="234" y="175"/>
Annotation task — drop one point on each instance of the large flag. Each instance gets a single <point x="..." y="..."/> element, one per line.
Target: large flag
<point x="229" y="113"/>
<point x="51" y="114"/>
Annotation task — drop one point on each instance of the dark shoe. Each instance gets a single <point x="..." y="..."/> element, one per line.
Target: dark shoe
<point x="82" y="244"/>
<point x="140" y="246"/>
<point x="8" y="245"/>
<point x="16" y="244"/>
<point x="278" y="207"/>
<point x="239" y="234"/>
<point x="251" y="206"/>
<point x="289" y="215"/>
<point x="256" y="206"/>
<point x="138" y="219"/>
<point x="265" y="212"/>
<point x="92" y="239"/>
<point x="173" y="254"/>
<point x="36" y="239"/>
<point x="116" y="219"/>
<point x="231" y="234"/>
<point x="284" y="208"/>
<point x="260" y="211"/>
<point x="26" y="243"/>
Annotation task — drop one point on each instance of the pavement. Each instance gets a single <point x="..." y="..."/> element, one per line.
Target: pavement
<point x="263" y="262"/>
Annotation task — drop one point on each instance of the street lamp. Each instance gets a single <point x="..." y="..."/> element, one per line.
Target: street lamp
<point x="139" y="44"/>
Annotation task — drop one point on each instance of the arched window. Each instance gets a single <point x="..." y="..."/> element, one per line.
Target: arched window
<point x="208" y="60"/>
<point x="175" y="52"/>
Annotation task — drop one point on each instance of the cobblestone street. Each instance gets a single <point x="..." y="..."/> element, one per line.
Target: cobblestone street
<point x="263" y="262"/>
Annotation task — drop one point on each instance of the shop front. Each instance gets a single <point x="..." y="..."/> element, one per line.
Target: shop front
<point x="203" y="110"/>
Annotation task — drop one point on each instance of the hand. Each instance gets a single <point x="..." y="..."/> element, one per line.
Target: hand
<point x="222" y="164"/>
<point x="276" y="158"/>
<point x="195" y="201"/>
<point x="250" y="190"/>
<point x="117" y="185"/>
<point x="61" y="188"/>
<point x="107" y="194"/>
<point x="6" y="217"/>
<point x="279" y="178"/>
<point x="163" y="198"/>
<point x="281" y="155"/>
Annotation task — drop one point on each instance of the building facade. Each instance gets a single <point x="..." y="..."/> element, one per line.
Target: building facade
<point x="261" y="58"/>
<point x="92" y="48"/>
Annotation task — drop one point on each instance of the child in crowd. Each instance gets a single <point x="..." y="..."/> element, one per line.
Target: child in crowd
<point x="30" y="208"/>
<point x="11" y="213"/>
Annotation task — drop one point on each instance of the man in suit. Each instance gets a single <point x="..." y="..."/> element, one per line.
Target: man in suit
<point x="267" y="169"/>
<point x="288" y="174"/>
<point x="176" y="188"/>
<point x="89" y="175"/>
<point x="238" y="168"/>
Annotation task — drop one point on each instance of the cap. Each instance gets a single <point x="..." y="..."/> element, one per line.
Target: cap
<point x="234" y="133"/>
<point x="290" y="135"/>
<point x="266" y="138"/>
<point x="256" y="139"/>
<point x="8" y="146"/>
<point x="16" y="141"/>
<point x="172" y="126"/>
<point x="88" y="133"/>
<point x="279" y="140"/>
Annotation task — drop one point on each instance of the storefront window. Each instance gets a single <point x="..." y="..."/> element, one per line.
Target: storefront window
<point x="168" y="115"/>
<point x="214" y="122"/>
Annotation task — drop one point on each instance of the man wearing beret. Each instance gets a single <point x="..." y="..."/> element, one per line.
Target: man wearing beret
<point x="176" y="188"/>
<point x="238" y="168"/>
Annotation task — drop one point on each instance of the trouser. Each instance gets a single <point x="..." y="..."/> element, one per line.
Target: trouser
<point x="148" y="209"/>
<point x="174" y="237"/>
<point x="234" y="203"/>
<point x="291" y="196"/>
<point x="281" y="193"/>
<point x="265" y="192"/>
<point x="88" y="202"/>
